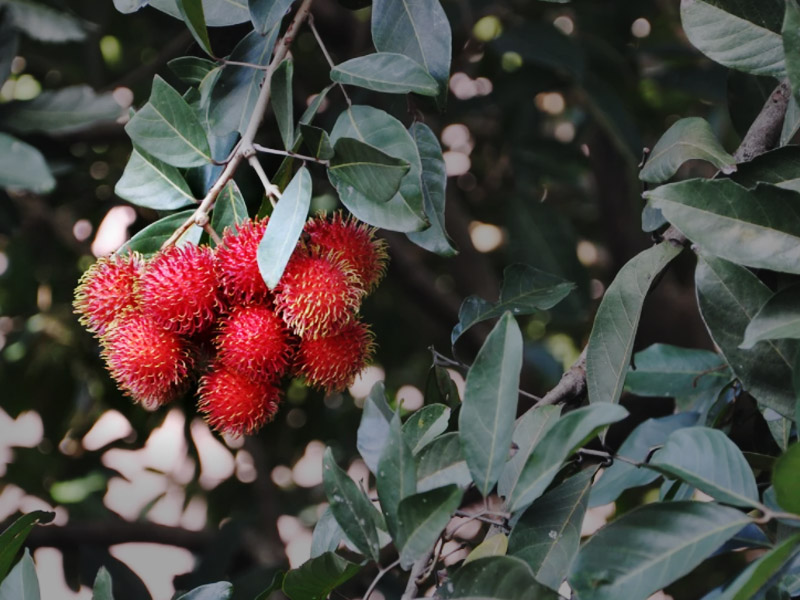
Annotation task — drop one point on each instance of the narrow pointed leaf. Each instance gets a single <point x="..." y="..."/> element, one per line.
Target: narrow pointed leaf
<point x="386" y="72"/>
<point x="495" y="578"/>
<point x="397" y="475"/>
<point x="149" y="240"/>
<point x="785" y="479"/>
<point x="318" y="577"/>
<point x="779" y="318"/>
<point x="22" y="167"/>
<point x="14" y="536"/>
<point x="424" y="425"/>
<point x="663" y="370"/>
<point x="265" y="14"/>
<point x="284" y="228"/>
<point x="317" y="141"/>
<point x="651" y="546"/>
<point x="229" y="209"/>
<point x="687" y="139"/>
<point x="195" y="19"/>
<point x="373" y="430"/>
<point x="102" y="588"/>
<point x="221" y="590"/>
<point x="421" y="519"/>
<point x="22" y="582"/>
<point x="282" y="102"/>
<point x="611" y="341"/>
<point x="490" y="403"/>
<point x="152" y="183"/>
<point x="442" y="463"/>
<point x="372" y="173"/>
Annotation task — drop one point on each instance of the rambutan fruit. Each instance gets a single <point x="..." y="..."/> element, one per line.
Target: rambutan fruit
<point x="332" y="362"/>
<point x="354" y="241"/>
<point x="235" y="404"/>
<point x="179" y="288"/>
<point x="317" y="294"/>
<point x="106" y="290"/>
<point x="254" y="342"/>
<point x="239" y="276"/>
<point x="150" y="363"/>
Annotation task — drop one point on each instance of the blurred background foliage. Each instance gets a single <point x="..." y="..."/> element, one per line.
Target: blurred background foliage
<point x="550" y="108"/>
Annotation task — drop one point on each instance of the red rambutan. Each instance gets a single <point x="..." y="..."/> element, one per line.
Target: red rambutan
<point x="237" y="265"/>
<point x="354" y="241"/>
<point x="333" y="361"/>
<point x="179" y="288"/>
<point x="254" y="342"/>
<point x="317" y="295"/>
<point x="107" y="289"/>
<point x="149" y="363"/>
<point x="234" y="404"/>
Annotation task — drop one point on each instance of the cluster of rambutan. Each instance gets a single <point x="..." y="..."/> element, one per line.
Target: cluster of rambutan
<point x="196" y="311"/>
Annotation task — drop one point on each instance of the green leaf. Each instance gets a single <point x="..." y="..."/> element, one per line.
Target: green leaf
<point x="490" y="403"/>
<point x="149" y="240"/>
<point x="44" y="24"/>
<point x="650" y="547"/>
<point x="9" y="45"/>
<point x="169" y="129"/>
<point x="525" y="291"/>
<point x="442" y="463"/>
<point x="22" y="167"/>
<point x="779" y="318"/>
<point x="386" y="72"/>
<point x="528" y="431"/>
<point x="780" y="167"/>
<point x="317" y="141"/>
<point x="282" y="103"/>
<point x="14" y="536"/>
<point x="284" y="228"/>
<point x="421" y="518"/>
<point x="397" y="475"/>
<point x="495" y="578"/>
<point x="318" y="577"/>
<point x="548" y="533"/>
<point x="756" y="228"/>
<point x="568" y="434"/>
<point x="277" y="584"/>
<point x="731" y="40"/>
<point x="21" y="583"/>
<point x="236" y="90"/>
<point x="351" y="508"/>
<point x="729" y="297"/>
<point x="222" y="590"/>
<point x="496" y="545"/>
<point x="193" y="15"/>
<point x="706" y="459"/>
<point x="404" y="212"/>
<point x="265" y="14"/>
<point x="229" y="209"/>
<point x="61" y="112"/>
<point x="418" y="30"/>
<point x="688" y="139"/>
<point x="785" y="479"/>
<point x="102" y="589"/>
<point x="434" y="181"/>
<point x="662" y="370"/>
<point x="637" y="447"/>
<point x="790" y="33"/>
<point x="373" y="430"/>
<point x="152" y="183"/>
<point x="327" y="534"/>
<point x="372" y="173"/>
<point x="191" y="69"/>
<point x="611" y="341"/>
<point x="218" y="13"/>
<point x="424" y="425"/>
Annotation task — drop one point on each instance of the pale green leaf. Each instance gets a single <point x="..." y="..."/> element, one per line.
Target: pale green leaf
<point x="265" y="14"/>
<point x="102" y="588"/>
<point x="22" y="167"/>
<point x="386" y="72"/>
<point x="442" y="463"/>
<point x="397" y="475"/>
<point x="218" y="13"/>
<point x="785" y="479"/>
<point x="373" y="430"/>
<point x="495" y="545"/>
<point x="222" y="590"/>
<point x="151" y="183"/>
<point x="373" y="174"/>
<point x="22" y="582"/>
<point x="779" y="318"/>
<point x="424" y="425"/>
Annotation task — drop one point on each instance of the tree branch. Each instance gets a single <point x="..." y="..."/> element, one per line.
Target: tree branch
<point x="110" y="532"/>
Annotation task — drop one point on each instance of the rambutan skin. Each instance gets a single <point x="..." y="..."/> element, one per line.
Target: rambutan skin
<point x="231" y="403"/>
<point x="317" y="295"/>
<point x="254" y="342"/>
<point x="150" y="363"/>
<point x="106" y="290"/>
<point x="354" y="241"/>
<point x="332" y="362"/>
<point x="179" y="288"/>
<point x="239" y="277"/>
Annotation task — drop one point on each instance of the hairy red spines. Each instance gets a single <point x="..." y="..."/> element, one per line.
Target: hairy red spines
<point x="179" y="288"/>
<point x="106" y="290"/>
<point x="239" y="275"/>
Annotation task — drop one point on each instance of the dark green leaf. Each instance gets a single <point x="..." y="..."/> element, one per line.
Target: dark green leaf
<point x="780" y="167"/>
<point x="373" y="174"/>
<point x="22" y="167"/>
<point x="397" y="474"/>
<point x="327" y="534"/>
<point x="374" y="427"/>
<point x="282" y="103"/>
<point x="729" y="296"/>
<point x="193" y="15"/>
<point x="650" y="547"/>
<point x="21" y="583"/>
<point x="191" y="69"/>
<point x="102" y="589"/>
<point x="525" y="291"/>
<point x="663" y="370"/>
<point x="421" y="518"/>
<point x="284" y="228"/>
<point x="424" y="425"/>
<point x="490" y="403"/>
<point x="152" y="183"/>
<point x="732" y="40"/>
<point x="277" y="584"/>
<point x="569" y="433"/>
<point x="791" y="45"/>
<point x="14" y="536"/>
<point x="495" y="578"/>
<point x="229" y="209"/>
<point x="791" y="122"/>
<point x="317" y="141"/>
<point x="637" y="447"/>
<point x="236" y="90"/>
<point x="218" y="13"/>
<point x="265" y="14"/>
<point x="779" y="318"/>
<point x="149" y="240"/>
<point x="351" y="508"/>
<point x="442" y="463"/>
<point x="386" y="72"/>
<point x="440" y="387"/>
<point x="548" y="533"/>
<point x="785" y="479"/>
<point x="168" y="128"/>
<point x="611" y="341"/>
<point x="318" y="577"/>
<point x="687" y="139"/>
<point x="42" y="23"/>
<point x="434" y="181"/>
<point x="222" y="590"/>
<point x="9" y="44"/>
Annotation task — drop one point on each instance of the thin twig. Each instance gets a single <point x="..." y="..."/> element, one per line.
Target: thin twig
<point x="266" y="150"/>
<point x="416" y="570"/>
<point x="378" y="577"/>
<point x="212" y="234"/>
<point x="238" y="63"/>
<point x="327" y="55"/>
<point x="272" y="191"/>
